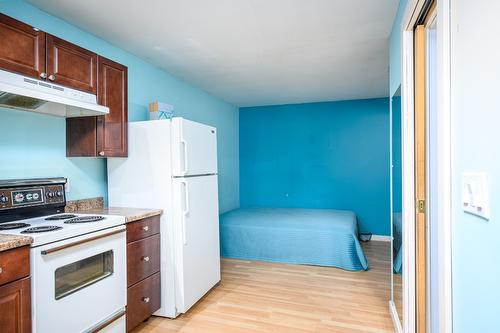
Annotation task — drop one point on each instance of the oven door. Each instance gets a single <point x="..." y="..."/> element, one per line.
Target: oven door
<point x="79" y="284"/>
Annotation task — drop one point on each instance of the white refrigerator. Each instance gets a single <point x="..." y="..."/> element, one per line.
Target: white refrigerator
<point x="172" y="165"/>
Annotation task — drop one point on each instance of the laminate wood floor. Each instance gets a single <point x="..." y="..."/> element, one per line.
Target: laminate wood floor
<point x="257" y="297"/>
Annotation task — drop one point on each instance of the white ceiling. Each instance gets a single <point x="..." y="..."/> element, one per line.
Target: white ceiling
<point x="251" y="52"/>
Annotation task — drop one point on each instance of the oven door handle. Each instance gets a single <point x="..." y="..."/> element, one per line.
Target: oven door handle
<point x="83" y="241"/>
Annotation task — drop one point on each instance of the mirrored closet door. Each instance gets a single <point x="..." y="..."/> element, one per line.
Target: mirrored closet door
<point x="397" y="198"/>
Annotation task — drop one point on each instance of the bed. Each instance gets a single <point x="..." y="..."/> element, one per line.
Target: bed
<point x="323" y="237"/>
<point x="397" y="233"/>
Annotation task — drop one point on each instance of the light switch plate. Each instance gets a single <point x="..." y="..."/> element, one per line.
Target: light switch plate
<point x="475" y="199"/>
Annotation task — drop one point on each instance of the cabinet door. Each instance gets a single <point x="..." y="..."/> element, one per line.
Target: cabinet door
<point x="81" y="140"/>
<point x="112" y="92"/>
<point x="70" y="65"/>
<point x="15" y="307"/>
<point x="22" y="48"/>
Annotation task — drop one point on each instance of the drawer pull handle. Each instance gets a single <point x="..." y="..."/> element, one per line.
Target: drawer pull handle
<point x="145" y="228"/>
<point x="146" y="258"/>
<point x="1" y="270"/>
<point x="145" y="299"/>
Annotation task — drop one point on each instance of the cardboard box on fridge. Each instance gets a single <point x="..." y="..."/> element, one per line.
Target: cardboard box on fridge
<point x="158" y="111"/>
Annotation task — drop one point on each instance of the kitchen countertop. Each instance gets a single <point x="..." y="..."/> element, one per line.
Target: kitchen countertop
<point x="8" y="242"/>
<point x="130" y="214"/>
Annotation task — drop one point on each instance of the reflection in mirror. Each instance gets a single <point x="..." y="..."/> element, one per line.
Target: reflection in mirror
<point x="397" y="198"/>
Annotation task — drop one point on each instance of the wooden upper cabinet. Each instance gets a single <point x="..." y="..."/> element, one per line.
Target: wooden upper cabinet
<point x="70" y="65"/>
<point x="81" y="137"/>
<point x="104" y="136"/>
<point x="112" y="92"/>
<point x="22" y="48"/>
<point x="27" y="51"/>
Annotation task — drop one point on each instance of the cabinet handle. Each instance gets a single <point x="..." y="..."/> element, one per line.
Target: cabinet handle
<point x="145" y="299"/>
<point x="146" y="258"/>
<point x="1" y="270"/>
<point x="52" y="77"/>
<point x="43" y="75"/>
<point x="101" y="153"/>
<point x="145" y="228"/>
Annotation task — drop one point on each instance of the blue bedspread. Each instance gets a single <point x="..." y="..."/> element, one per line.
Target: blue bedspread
<point x="397" y="234"/>
<point x="323" y="237"/>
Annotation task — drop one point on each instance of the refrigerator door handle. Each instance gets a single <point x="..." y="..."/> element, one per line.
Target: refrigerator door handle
<point x="185" y="150"/>
<point x="184" y="145"/>
<point x="185" y="212"/>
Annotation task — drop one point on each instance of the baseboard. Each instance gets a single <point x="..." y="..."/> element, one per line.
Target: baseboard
<point x="395" y="317"/>
<point x="381" y="238"/>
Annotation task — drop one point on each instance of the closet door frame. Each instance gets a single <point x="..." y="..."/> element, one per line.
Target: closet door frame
<point x="411" y="18"/>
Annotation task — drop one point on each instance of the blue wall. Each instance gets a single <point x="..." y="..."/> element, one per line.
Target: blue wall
<point x="397" y="166"/>
<point x="475" y="136"/>
<point x="319" y="155"/>
<point x="36" y="143"/>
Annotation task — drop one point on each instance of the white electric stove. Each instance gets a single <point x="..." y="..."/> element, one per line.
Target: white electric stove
<point x="78" y="261"/>
<point x="53" y="228"/>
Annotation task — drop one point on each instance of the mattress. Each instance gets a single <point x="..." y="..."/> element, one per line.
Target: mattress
<point x="323" y="237"/>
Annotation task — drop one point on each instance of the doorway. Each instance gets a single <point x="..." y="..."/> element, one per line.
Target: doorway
<point x="424" y="96"/>
<point x="426" y="266"/>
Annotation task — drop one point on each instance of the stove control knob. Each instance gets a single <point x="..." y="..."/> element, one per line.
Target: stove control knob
<point x="59" y="194"/>
<point x="19" y="197"/>
<point x="50" y="194"/>
<point x="4" y="199"/>
<point x="35" y="196"/>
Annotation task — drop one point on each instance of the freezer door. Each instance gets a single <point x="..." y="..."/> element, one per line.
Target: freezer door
<point x="194" y="148"/>
<point x="196" y="224"/>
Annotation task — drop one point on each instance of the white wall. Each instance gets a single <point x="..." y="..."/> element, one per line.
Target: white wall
<point x="476" y="147"/>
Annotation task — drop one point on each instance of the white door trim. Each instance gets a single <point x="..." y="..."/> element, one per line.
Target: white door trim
<point x="443" y="164"/>
<point x="395" y="317"/>
<point x="408" y="183"/>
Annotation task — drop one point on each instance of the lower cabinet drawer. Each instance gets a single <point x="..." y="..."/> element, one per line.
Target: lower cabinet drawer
<point x="143" y="259"/>
<point x="14" y="264"/>
<point x="143" y="228"/>
<point x="143" y="299"/>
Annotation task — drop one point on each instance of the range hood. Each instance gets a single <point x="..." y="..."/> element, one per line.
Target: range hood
<point x="27" y="94"/>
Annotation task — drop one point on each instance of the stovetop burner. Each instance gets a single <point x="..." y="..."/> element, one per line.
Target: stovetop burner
<point x="60" y="217"/>
<point x="44" y="228"/>
<point x="10" y="226"/>
<point x="85" y="219"/>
